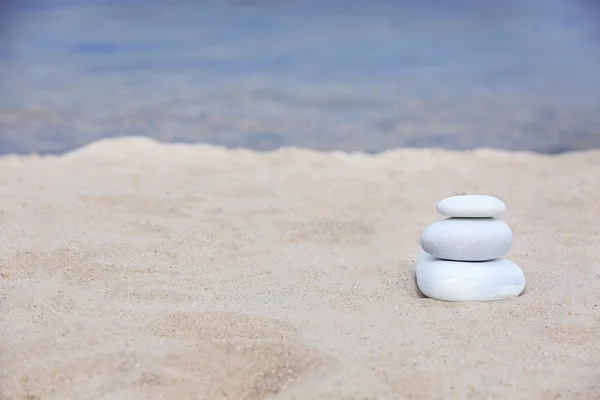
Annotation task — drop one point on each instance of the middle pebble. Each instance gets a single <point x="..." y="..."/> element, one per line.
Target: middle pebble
<point x="467" y="239"/>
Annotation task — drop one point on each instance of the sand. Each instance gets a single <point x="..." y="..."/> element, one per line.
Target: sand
<point x="132" y="269"/>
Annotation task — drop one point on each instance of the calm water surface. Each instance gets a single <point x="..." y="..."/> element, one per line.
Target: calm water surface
<point x="332" y="74"/>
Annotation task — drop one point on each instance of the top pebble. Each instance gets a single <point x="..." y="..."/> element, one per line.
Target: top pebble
<point x="471" y="206"/>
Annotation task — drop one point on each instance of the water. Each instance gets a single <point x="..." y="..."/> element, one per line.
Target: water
<point x="332" y="74"/>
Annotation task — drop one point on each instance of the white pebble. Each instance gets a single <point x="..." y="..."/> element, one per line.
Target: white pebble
<point x="471" y="206"/>
<point x="467" y="239"/>
<point x="469" y="281"/>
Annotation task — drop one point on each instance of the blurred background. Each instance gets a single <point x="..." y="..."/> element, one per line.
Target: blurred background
<point x="331" y="74"/>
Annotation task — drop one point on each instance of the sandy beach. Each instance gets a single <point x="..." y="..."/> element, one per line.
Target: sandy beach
<point x="132" y="269"/>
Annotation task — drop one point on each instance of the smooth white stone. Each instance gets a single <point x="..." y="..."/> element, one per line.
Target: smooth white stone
<point x="467" y="239"/>
<point x="469" y="281"/>
<point x="471" y="206"/>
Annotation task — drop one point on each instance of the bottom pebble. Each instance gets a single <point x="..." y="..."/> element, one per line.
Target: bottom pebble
<point x="445" y="280"/>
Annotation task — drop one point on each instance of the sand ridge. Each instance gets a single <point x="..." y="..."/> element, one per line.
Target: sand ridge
<point x="136" y="269"/>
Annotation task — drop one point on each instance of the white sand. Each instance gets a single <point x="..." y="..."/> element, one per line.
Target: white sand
<point x="136" y="270"/>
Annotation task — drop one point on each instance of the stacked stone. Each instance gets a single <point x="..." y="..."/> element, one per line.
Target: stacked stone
<point x="464" y="260"/>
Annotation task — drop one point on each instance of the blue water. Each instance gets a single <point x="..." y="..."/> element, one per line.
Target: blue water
<point x="333" y="74"/>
